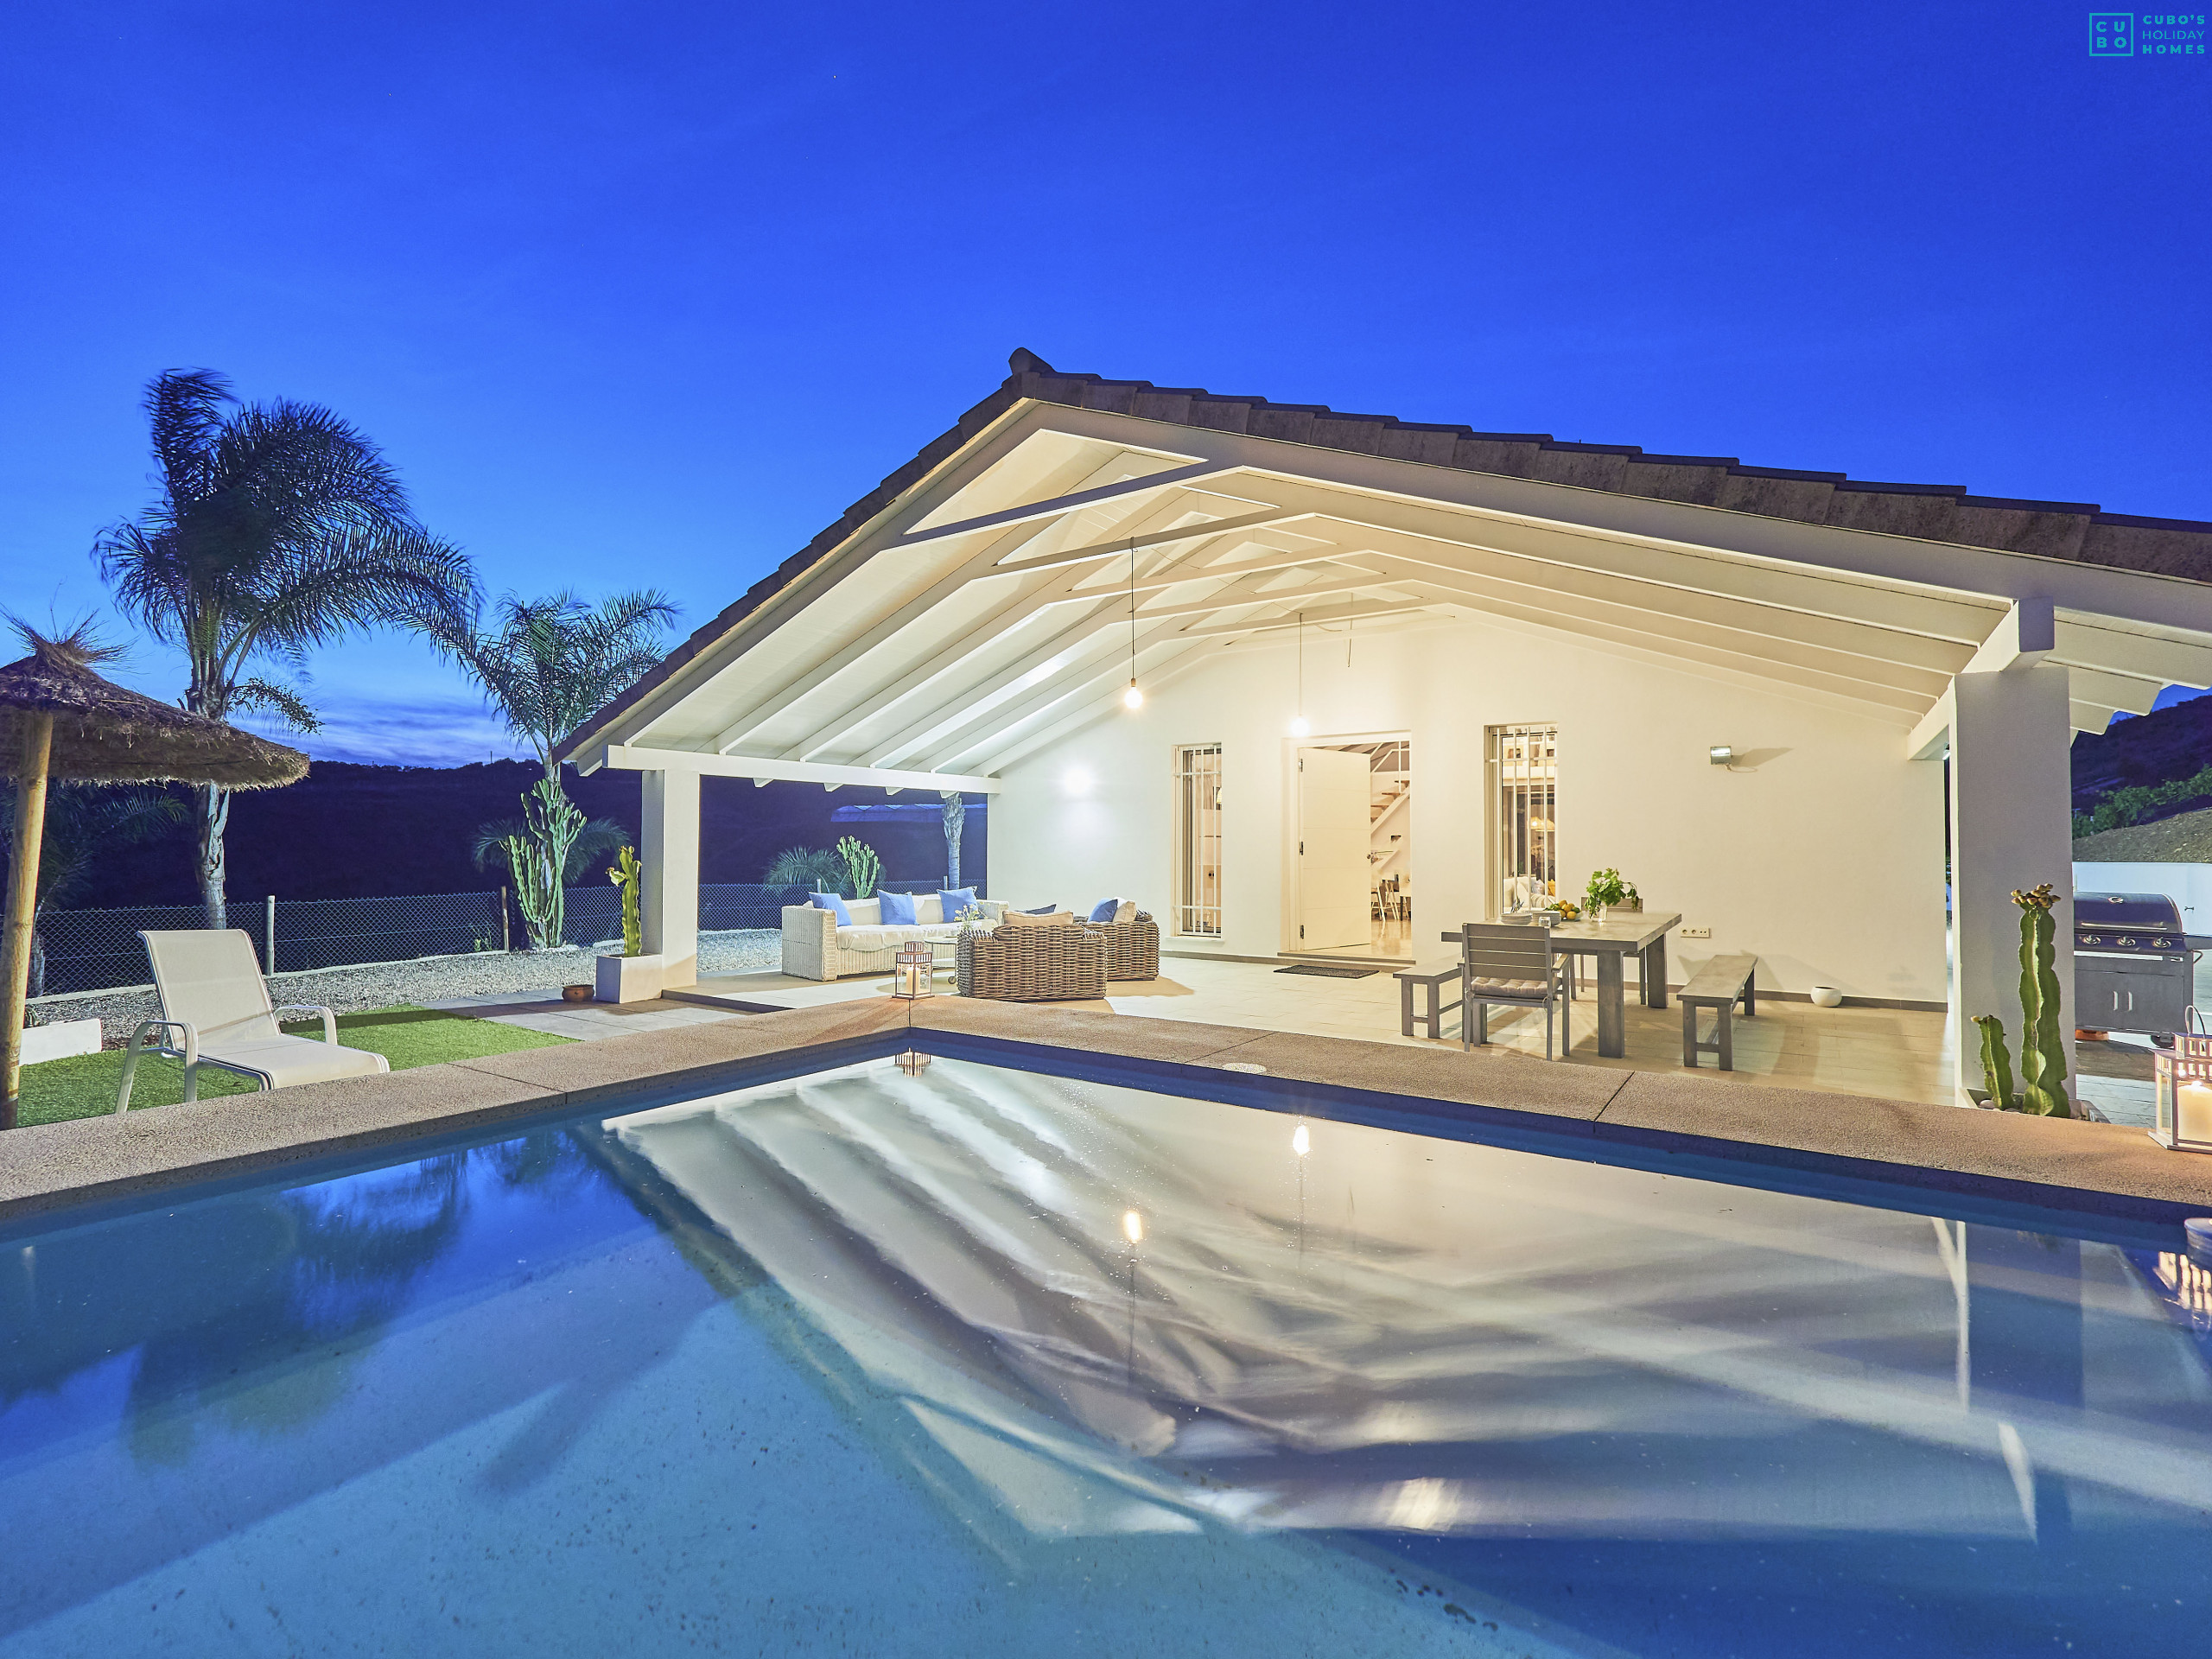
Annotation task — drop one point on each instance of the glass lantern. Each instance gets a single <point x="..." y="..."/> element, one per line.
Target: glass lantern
<point x="2184" y="1079"/>
<point x="912" y="973"/>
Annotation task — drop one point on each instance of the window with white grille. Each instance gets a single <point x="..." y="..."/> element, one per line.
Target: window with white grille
<point x="1197" y="839"/>
<point x="1524" y="772"/>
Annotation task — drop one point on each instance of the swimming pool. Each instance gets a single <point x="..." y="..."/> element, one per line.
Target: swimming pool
<point x="983" y="1361"/>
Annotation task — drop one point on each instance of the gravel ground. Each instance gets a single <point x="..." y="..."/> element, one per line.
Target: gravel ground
<point x="381" y="984"/>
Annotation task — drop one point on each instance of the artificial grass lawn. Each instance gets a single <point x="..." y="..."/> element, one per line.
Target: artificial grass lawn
<point x="84" y="1085"/>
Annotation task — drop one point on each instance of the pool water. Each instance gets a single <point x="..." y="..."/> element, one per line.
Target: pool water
<point x="981" y="1362"/>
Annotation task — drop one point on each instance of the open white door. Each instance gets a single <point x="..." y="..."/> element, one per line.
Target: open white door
<point x="1332" y="835"/>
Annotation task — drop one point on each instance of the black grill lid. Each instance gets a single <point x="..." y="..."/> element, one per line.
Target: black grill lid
<point x="2106" y="910"/>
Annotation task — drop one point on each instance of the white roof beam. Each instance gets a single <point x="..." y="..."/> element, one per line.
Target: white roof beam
<point x="1649" y="637"/>
<point x="630" y="758"/>
<point x="1539" y="581"/>
<point x="1097" y="551"/>
<point x="1129" y="490"/>
<point x="1160" y="676"/>
<point x="1311" y="619"/>
<point x="1029" y="598"/>
<point x="1948" y="616"/>
<point x="1836" y="668"/>
<point x="961" y="732"/>
<point x="2089" y="642"/>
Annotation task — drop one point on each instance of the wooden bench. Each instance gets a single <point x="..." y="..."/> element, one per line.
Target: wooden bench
<point x="1719" y="985"/>
<point x="1433" y="1017"/>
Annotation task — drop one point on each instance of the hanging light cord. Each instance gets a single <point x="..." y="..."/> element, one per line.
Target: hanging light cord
<point x="1132" y="610"/>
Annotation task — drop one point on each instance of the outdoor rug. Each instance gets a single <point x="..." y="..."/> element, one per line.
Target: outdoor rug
<point x="1328" y="970"/>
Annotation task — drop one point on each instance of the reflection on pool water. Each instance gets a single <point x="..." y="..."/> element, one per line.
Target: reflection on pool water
<point x="980" y="1362"/>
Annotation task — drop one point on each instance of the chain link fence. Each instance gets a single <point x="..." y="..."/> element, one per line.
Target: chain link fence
<point x="99" y="950"/>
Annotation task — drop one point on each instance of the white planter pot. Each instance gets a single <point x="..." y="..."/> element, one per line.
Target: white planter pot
<point x="630" y="979"/>
<point x="57" y="1042"/>
<point x="1827" y="996"/>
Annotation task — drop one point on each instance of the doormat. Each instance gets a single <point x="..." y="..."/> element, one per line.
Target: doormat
<point x="1328" y="970"/>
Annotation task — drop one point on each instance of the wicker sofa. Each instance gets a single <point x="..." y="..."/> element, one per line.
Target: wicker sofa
<point x="815" y="947"/>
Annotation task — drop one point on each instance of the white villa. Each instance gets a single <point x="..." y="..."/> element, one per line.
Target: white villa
<point x="1390" y="676"/>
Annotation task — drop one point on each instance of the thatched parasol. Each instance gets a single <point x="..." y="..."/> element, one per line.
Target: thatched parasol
<point x="58" y="719"/>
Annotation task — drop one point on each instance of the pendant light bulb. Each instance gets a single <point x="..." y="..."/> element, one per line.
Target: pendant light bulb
<point x="1132" y="698"/>
<point x="1299" y="726"/>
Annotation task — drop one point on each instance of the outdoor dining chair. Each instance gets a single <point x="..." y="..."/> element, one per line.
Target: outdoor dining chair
<point x="1511" y="965"/>
<point x="215" y="1007"/>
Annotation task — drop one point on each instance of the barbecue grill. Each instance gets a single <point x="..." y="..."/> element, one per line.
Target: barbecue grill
<point x="2134" y="969"/>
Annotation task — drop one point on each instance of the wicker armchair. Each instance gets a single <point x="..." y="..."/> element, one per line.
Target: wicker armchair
<point x="1031" y="964"/>
<point x="1132" y="948"/>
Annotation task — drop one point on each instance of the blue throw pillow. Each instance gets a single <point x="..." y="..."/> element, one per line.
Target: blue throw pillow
<point x="1041" y="910"/>
<point x="834" y="902"/>
<point x="957" y="902"/>
<point x="897" y="909"/>
<point x="1104" y="909"/>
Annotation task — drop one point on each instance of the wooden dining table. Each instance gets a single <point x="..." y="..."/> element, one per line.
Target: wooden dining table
<point x="1624" y="933"/>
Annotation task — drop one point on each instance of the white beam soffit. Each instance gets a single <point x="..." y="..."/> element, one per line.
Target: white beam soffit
<point x="1881" y="619"/>
<point x="622" y="757"/>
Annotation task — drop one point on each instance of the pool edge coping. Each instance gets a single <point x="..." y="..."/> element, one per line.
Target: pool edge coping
<point x="1704" y="1127"/>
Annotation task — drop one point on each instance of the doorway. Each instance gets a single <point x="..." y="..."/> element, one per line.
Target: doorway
<point x="1354" y="849"/>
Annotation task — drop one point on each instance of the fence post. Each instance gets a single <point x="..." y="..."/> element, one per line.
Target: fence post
<point x="269" y="935"/>
<point x="506" y="941"/>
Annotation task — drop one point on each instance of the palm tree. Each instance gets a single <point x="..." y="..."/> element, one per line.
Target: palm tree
<point x="548" y="666"/>
<point x="279" y="527"/>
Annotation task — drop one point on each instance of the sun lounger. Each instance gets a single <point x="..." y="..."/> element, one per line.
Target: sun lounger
<point x="215" y="1011"/>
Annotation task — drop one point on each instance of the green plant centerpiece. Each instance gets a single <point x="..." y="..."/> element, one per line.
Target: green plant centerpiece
<point x="627" y="873"/>
<point x="1608" y="888"/>
<point x="2043" y="1046"/>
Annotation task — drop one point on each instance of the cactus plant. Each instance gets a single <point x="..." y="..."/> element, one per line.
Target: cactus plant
<point x="627" y="874"/>
<point x="2043" y="1044"/>
<point x="862" y="867"/>
<point x="1996" y="1064"/>
<point x="538" y="854"/>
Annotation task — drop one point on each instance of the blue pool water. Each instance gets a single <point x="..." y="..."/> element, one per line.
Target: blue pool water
<point x="870" y="1363"/>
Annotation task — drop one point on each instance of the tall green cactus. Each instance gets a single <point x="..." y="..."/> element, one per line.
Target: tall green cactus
<point x="862" y="867"/>
<point x="627" y="873"/>
<point x="2043" y="1040"/>
<point x="1996" y="1064"/>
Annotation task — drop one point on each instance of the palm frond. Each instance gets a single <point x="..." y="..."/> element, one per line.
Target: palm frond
<point x="265" y="696"/>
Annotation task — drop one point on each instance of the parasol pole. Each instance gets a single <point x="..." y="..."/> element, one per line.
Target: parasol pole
<point x="22" y="903"/>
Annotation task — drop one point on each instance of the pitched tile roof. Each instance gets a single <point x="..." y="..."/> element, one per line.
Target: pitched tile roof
<point x="1937" y="512"/>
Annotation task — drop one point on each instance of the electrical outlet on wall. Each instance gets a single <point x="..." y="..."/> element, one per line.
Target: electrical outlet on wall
<point x="1697" y="933"/>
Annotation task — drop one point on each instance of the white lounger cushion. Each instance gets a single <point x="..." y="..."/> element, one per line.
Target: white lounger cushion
<point x="285" y="1060"/>
<point x="212" y="979"/>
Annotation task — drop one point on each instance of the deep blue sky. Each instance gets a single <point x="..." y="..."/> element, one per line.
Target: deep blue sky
<point x="637" y="293"/>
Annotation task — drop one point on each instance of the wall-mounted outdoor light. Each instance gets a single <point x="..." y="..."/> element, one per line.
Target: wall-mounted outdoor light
<point x="1722" y="755"/>
<point x="1076" y="781"/>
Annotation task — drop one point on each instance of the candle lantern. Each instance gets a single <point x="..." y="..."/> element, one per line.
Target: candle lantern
<point x="2183" y="1075"/>
<point x="913" y="970"/>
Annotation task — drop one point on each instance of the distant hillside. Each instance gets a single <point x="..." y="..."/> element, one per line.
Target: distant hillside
<point x="2149" y="748"/>
<point x="2185" y="838"/>
<point x="350" y="831"/>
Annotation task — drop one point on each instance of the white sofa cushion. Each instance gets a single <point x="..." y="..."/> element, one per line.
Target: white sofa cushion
<point x="865" y="912"/>
<point x="929" y="909"/>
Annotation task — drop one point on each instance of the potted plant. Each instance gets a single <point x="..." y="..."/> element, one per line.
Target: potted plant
<point x="1608" y="890"/>
<point x="633" y="976"/>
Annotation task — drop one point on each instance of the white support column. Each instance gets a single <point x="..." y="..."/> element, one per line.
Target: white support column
<point x="671" y="899"/>
<point x="2010" y="827"/>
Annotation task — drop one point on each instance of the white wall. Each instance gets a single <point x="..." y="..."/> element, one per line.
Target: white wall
<point x="1824" y="856"/>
